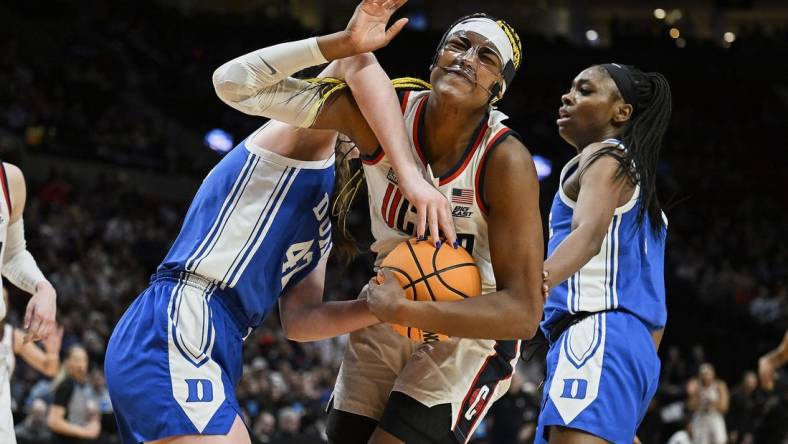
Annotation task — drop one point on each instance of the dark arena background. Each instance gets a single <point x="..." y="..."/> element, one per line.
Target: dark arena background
<point x="108" y="109"/>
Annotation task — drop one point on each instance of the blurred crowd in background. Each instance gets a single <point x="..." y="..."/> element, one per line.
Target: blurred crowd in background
<point x="134" y="92"/>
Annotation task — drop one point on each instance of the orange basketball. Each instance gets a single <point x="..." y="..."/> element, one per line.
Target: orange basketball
<point x="430" y="274"/>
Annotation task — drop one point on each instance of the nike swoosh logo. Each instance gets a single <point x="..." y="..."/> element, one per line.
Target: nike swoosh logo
<point x="273" y="71"/>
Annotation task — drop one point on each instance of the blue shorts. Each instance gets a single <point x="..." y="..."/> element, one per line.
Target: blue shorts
<point x="173" y="362"/>
<point x="601" y="375"/>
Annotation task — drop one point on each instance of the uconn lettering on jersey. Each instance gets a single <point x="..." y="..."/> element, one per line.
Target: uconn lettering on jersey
<point x="398" y="213"/>
<point x="299" y="255"/>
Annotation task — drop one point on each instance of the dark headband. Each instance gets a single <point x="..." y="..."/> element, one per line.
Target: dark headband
<point x="623" y="80"/>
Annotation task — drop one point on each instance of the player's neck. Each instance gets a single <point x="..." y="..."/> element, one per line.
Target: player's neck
<point x="448" y="130"/>
<point x="608" y="133"/>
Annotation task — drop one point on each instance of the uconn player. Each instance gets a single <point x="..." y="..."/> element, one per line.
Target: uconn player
<point x="258" y="228"/>
<point x="389" y="387"/>
<point x="13" y="344"/>
<point x="605" y="259"/>
<point x="19" y="267"/>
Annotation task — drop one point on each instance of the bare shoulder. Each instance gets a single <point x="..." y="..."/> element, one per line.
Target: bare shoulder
<point x="14" y="175"/>
<point x="594" y="148"/>
<point x="16" y="189"/>
<point x="511" y="156"/>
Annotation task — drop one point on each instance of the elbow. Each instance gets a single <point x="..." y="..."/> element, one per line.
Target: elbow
<point x="52" y="422"/>
<point x="594" y="244"/>
<point x="528" y="314"/>
<point x="292" y="331"/>
<point x="527" y="327"/>
<point x="224" y="87"/>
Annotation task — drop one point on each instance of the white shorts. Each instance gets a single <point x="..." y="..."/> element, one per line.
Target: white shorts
<point x="468" y="374"/>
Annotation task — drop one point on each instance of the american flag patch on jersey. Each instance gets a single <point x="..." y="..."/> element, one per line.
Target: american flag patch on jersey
<point x="462" y="196"/>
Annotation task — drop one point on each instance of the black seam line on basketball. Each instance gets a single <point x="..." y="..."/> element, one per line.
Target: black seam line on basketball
<point x="418" y="265"/>
<point x="401" y="271"/>
<point x="437" y="273"/>
<point x="435" y="267"/>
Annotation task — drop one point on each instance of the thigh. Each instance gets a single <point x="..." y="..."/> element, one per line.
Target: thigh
<point x="164" y="376"/>
<point x="238" y="434"/>
<point x="468" y="375"/>
<point x="348" y="428"/>
<point x="409" y="421"/>
<point x="564" y="435"/>
<point x="601" y="375"/>
<point x="373" y="358"/>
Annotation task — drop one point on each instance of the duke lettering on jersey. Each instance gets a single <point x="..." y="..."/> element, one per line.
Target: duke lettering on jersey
<point x="300" y="255"/>
<point x="575" y="389"/>
<point x="200" y="390"/>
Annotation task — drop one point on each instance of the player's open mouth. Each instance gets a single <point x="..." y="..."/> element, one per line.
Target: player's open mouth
<point x="563" y="116"/>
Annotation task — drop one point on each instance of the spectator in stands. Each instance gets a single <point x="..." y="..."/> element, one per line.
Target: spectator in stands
<point x="73" y="418"/>
<point x="746" y="405"/>
<point x="34" y="430"/>
<point x="707" y="399"/>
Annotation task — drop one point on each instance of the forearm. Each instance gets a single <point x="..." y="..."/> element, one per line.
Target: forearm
<point x="571" y="255"/>
<point x="51" y="364"/>
<point x="63" y="427"/>
<point x="377" y="100"/>
<point x="327" y="320"/>
<point x="497" y="315"/>
<point x="19" y="266"/>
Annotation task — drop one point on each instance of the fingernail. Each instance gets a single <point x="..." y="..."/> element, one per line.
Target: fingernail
<point x="437" y="244"/>
<point x="421" y="238"/>
<point x="456" y="244"/>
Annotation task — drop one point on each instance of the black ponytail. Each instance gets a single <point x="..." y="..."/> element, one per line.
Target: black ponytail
<point x="642" y="137"/>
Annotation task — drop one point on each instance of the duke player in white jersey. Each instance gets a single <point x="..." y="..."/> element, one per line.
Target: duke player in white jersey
<point x="258" y="229"/>
<point x="606" y="311"/>
<point x="389" y="387"/>
<point x="19" y="267"/>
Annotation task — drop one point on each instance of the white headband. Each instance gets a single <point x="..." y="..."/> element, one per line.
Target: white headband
<point x="490" y="30"/>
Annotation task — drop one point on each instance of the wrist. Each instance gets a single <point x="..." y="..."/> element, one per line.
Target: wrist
<point x="44" y="285"/>
<point x="401" y="311"/>
<point x="336" y="46"/>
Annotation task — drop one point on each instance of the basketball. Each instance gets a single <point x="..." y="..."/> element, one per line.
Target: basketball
<point x="427" y="273"/>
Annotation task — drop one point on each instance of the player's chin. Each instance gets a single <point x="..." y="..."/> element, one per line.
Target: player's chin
<point x="567" y="133"/>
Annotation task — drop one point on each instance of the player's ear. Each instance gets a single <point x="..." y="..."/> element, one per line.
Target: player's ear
<point x="622" y="113"/>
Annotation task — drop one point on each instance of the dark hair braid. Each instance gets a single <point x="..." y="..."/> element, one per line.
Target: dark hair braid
<point x="642" y="137"/>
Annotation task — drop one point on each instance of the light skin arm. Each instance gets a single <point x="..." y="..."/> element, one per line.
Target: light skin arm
<point x="770" y="362"/>
<point x="40" y="313"/>
<point x="56" y="420"/>
<point x="305" y="317"/>
<point x="724" y="402"/>
<point x="377" y="102"/>
<point x="599" y="195"/>
<point x="371" y="116"/>
<point x="517" y="248"/>
<point x="45" y="361"/>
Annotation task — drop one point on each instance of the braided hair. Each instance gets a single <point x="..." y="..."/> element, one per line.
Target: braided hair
<point x="642" y="136"/>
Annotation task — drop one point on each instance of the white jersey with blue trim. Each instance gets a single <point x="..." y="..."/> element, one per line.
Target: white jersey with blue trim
<point x="258" y="224"/>
<point x="627" y="273"/>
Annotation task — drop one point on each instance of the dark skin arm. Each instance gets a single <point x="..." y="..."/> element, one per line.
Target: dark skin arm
<point x="600" y="193"/>
<point x="517" y="249"/>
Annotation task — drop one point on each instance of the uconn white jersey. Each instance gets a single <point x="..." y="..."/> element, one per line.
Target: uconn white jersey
<point x="394" y="218"/>
<point x="259" y="223"/>
<point x="627" y="273"/>
<point x="5" y="217"/>
<point x="7" y="357"/>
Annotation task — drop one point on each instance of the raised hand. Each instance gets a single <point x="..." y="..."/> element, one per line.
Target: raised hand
<point x="367" y="28"/>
